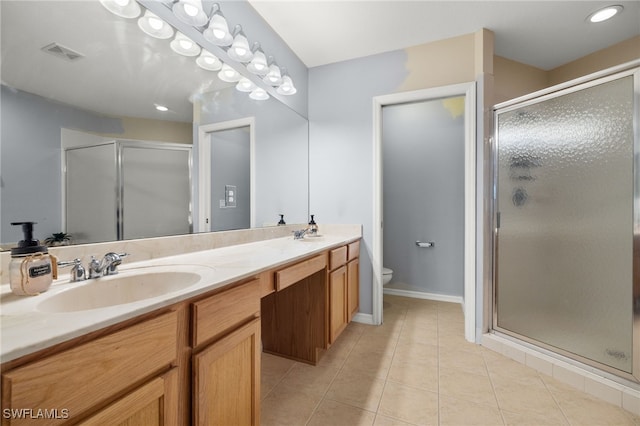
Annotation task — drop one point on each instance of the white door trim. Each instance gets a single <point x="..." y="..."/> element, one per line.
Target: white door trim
<point x="204" y="168"/>
<point x="469" y="91"/>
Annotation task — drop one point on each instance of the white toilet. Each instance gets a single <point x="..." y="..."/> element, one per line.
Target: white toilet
<point x="387" y="274"/>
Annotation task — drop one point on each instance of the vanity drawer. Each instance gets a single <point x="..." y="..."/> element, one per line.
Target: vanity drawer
<point x="354" y="250"/>
<point x="267" y="283"/>
<point x="337" y="257"/>
<point x="223" y="311"/>
<point x="293" y="274"/>
<point x="85" y="376"/>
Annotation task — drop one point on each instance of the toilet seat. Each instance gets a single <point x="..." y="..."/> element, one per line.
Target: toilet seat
<point x="387" y="271"/>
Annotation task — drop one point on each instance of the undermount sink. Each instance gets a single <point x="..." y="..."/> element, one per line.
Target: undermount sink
<point x="125" y="287"/>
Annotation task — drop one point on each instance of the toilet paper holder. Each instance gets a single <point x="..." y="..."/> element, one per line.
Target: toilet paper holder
<point x="425" y="245"/>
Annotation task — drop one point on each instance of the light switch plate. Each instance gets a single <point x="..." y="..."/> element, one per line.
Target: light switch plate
<point x="230" y="195"/>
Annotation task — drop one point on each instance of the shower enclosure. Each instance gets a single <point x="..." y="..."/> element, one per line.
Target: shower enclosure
<point x="567" y="221"/>
<point x="127" y="189"/>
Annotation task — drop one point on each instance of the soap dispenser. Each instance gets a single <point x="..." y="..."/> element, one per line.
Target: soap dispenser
<point x="32" y="269"/>
<point x="281" y="222"/>
<point x="313" y="227"/>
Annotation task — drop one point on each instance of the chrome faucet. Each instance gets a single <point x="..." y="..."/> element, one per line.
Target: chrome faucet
<point x="78" y="273"/>
<point x="298" y="235"/>
<point x="107" y="266"/>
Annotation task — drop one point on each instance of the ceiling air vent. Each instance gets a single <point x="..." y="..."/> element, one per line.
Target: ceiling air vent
<point x="62" y="52"/>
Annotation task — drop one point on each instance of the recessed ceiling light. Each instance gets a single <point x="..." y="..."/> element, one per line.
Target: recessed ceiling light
<point x="604" y="13"/>
<point x="161" y="108"/>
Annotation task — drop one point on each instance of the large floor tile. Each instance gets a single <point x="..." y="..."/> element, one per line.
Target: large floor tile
<point x="284" y="406"/>
<point x="409" y="404"/>
<point x="309" y="379"/>
<point x="336" y="413"/>
<point x="456" y="412"/>
<point x="356" y="388"/>
<point x="463" y="385"/>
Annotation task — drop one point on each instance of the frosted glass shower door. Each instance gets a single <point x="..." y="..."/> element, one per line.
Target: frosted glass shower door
<point x="90" y="193"/>
<point x="564" y="239"/>
<point x="156" y="190"/>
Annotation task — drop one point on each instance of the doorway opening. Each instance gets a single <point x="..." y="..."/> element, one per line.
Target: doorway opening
<point x="467" y="92"/>
<point x="226" y="160"/>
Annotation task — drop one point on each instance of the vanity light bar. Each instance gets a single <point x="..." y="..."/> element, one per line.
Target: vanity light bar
<point x="215" y="29"/>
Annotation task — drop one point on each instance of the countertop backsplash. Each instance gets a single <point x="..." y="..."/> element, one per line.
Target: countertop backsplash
<point x="152" y="248"/>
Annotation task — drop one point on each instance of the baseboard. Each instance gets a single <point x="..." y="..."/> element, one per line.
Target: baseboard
<point x="363" y="318"/>
<point x="421" y="295"/>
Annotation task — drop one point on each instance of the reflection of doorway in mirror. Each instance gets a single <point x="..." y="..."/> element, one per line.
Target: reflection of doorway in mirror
<point x="226" y="187"/>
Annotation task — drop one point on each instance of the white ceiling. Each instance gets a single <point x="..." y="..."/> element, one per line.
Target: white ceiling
<point x="124" y="72"/>
<point x="544" y="34"/>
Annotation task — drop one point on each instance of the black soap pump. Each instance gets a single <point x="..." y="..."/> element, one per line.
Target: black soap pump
<point x="282" y="222"/>
<point x="313" y="227"/>
<point x="32" y="269"/>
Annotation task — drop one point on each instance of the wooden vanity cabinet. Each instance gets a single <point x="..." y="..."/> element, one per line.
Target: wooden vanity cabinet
<point x="126" y="374"/>
<point x="226" y="357"/>
<point x="353" y="279"/>
<point x="294" y="314"/>
<point x="344" y="287"/>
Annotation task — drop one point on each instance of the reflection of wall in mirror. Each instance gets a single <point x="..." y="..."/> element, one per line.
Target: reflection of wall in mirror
<point x="281" y="152"/>
<point x="31" y="154"/>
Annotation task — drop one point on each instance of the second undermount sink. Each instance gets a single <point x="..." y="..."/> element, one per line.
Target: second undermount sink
<point x="126" y="287"/>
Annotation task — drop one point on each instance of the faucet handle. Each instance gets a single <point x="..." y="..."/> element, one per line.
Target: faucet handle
<point x="115" y="261"/>
<point x="78" y="273"/>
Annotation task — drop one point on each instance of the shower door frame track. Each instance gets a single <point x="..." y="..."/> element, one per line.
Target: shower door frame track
<point x="628" y="69"/>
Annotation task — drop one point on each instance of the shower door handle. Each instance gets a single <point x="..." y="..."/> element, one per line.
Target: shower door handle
<point x="425" y="245"/>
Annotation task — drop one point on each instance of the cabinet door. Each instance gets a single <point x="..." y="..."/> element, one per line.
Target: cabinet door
<point x="353" y="287"/>
<point x="152" y="404"/>
<point x="227" y="379"/>
<point x="337" y="302"/>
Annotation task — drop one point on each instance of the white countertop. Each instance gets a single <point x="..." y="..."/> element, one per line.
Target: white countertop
<point x="25" y="328"/>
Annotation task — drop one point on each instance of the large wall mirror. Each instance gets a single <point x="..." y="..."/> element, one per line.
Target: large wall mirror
<point x="71" y="67"/>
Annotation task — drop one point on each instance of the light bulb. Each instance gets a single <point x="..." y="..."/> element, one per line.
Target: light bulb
<point x="155" y="23"/>
<point x="208" y="61"/>
<point x="183" y="45"/>
<point x="228" y="74"/>
<point x="154" y="26"/>
<point x="190" y="10"/>
<point x="217" y="32"/>
<point x="259" y="94"/>
<point x="274" y="78"/>
<point x="240" y="50"/>
<point x="287" y="87"/>
<point x="122" y="8"/>
<point x="245" y="85"/>
<point x="258" y="64"/>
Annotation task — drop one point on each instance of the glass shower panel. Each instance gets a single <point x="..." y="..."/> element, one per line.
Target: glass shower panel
<point x="564" y="242"/>
<point x="156" y="191"/>
<point x="90" y="193"/>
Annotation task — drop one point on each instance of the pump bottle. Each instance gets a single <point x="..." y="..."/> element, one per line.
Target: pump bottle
<point x="32" y="269"/>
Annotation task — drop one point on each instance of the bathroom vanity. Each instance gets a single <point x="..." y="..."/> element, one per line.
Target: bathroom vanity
<point x="191" y="355"/>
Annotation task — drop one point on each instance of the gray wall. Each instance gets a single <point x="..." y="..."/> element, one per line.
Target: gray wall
<point x="30" y="159"/>
<point x="281" y="153"/>
<point x="341" y="145"/>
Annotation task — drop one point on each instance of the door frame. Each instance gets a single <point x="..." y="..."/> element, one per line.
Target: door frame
<point x="468" y="90"/>
<point x="204" y="168"/>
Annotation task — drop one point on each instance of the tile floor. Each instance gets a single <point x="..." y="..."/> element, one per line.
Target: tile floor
<point x="417" y="369"/>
